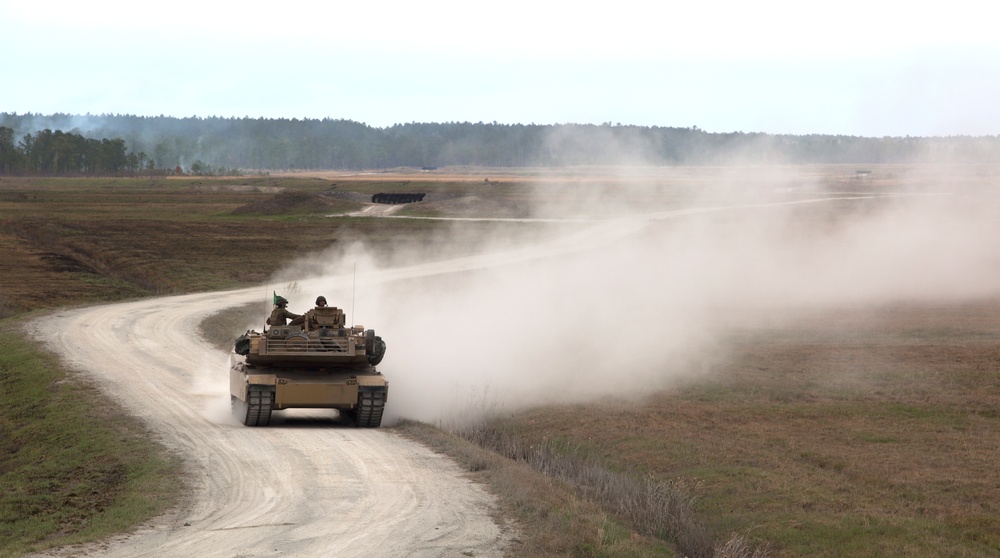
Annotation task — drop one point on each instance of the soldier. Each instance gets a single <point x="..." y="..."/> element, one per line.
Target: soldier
<point x="280" y="314"/>
<point x="320" y="303"/>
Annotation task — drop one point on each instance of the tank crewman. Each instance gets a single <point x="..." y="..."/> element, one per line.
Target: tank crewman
<point x="320" y="303"/>
<point x="280" y="315"/>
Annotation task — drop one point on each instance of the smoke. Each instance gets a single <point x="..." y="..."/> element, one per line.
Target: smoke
<point x="642" y="300"/>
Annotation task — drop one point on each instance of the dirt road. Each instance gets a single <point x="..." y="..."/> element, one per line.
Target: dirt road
<point x="288" y="490"/>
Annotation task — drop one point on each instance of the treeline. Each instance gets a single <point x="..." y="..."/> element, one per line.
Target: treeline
<point x="164" y="142"/>
<point x="61" y="153"/>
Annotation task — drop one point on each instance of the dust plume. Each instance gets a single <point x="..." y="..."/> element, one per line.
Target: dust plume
<point x="637" y="302"/>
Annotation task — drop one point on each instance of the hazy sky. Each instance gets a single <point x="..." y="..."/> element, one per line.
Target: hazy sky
<point x="852" y="67"/>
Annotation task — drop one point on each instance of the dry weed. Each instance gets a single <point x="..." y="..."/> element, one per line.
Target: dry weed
<point x="652" y="507"/>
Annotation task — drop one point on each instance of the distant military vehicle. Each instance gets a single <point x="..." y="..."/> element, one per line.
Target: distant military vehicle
<point x="382" y="197"/>
<point x="320" y="364"/>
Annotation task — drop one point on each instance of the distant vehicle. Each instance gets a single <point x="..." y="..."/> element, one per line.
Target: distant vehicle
<point x="322" y="364"/>
<point x="409" y="197"/>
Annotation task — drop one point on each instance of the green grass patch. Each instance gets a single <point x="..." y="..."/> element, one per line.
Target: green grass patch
<point x="73" y="466"/>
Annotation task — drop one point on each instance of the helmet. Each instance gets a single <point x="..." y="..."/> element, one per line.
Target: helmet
<point x="320" y="299"/>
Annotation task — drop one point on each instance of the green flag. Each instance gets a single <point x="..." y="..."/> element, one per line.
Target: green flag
<point x="275" y="300"/>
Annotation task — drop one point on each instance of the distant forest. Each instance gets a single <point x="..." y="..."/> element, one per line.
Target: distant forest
<point x="122" y="144"/>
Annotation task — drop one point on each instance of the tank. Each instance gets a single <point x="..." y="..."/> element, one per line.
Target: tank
<point x="320" y="364"/>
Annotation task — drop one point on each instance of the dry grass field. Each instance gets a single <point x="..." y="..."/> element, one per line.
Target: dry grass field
<point x="852" y="430"/>
<point x="894" y="457"/>
<point x="68" y="241"/>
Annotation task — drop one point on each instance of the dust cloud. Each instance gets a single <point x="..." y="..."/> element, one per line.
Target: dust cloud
<point x="642" y="300"/>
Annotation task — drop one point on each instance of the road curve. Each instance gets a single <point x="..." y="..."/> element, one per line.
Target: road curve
<point x="289" y="490"/>
<point x="292" y="489"/>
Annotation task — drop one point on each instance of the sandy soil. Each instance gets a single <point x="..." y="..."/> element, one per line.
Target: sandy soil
<point x="293" y="489"/>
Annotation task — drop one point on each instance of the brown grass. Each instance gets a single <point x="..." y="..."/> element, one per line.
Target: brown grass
<point x="844" y="434"/>
<point x="68" y="241"/>
<point x="548" y="514"/>
<point x="651" y="507"/>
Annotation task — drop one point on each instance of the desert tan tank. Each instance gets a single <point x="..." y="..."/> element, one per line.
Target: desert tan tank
<point x="321" y="364"/>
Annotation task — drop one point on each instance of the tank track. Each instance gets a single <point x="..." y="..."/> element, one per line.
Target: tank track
<point x="368" y="413"/>
<point x="257" y="409"/>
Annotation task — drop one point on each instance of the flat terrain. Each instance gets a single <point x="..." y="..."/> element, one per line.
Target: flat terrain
<point x="810" y="353"/>
<point x="844" y="433"/>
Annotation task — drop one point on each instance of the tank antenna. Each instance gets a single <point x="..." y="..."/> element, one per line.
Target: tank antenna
<point x="266" y="288"/>
<point x="354" y="289"/>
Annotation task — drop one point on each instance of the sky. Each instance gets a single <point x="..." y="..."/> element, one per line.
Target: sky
<point x="864" y="68"/>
